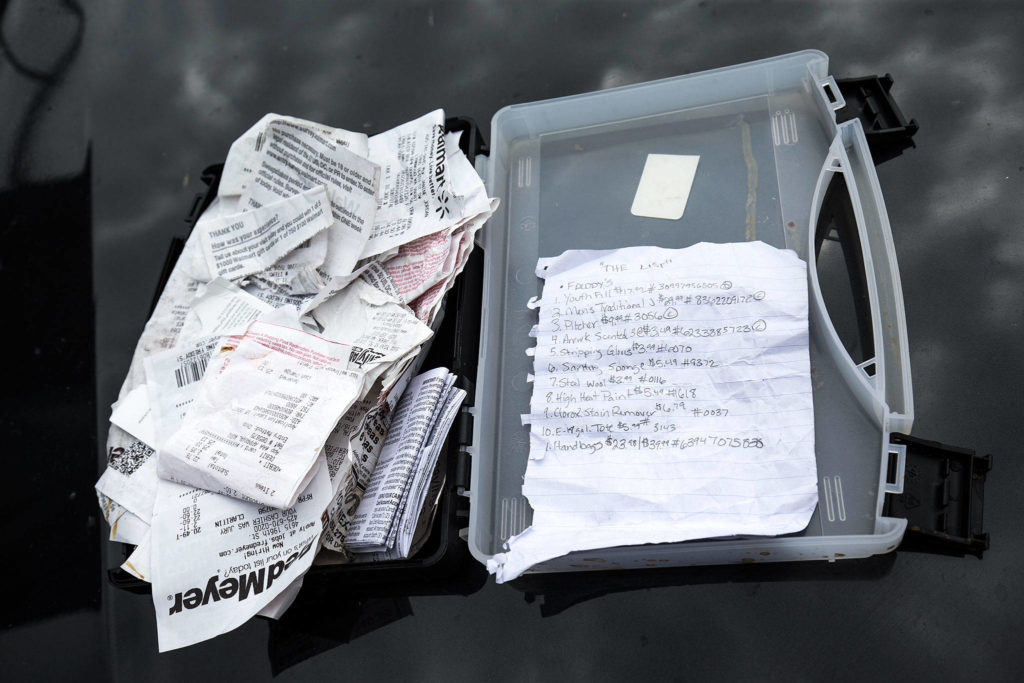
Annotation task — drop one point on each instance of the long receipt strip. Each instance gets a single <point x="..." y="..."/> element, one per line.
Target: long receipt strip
<point x="671" y="401"/>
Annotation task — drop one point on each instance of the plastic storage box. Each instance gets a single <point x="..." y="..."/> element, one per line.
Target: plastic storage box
<point x="782" y="161"/>
<point x="770" y="150"/>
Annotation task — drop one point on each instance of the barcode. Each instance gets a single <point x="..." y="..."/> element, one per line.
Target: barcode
<point x="190" y="371"/>
<point x="360" y="356"/>
<point x="259" y="141"/>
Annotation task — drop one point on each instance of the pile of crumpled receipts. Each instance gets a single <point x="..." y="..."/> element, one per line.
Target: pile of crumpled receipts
<point x="281" y="364"/>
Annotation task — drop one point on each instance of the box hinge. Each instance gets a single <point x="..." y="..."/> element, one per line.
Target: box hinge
<point x="941" y="493"/>
<point x="887" y="131"/>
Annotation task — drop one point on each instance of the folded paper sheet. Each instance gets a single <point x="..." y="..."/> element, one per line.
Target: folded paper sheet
<point x="671" y="401"/>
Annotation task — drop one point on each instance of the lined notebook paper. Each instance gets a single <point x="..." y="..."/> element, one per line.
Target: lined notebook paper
<point x="671" y="400"/>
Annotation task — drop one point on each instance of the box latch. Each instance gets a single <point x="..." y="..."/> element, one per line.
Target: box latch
<point x="887" y="131"/>
<point x="463" y="432"/>
<point x="941" y="494"/>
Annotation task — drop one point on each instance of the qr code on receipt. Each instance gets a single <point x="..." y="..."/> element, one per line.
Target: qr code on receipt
<point x="127" y="460"/>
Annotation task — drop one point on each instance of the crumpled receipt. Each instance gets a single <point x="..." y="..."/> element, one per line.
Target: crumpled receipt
<point x="295" y="159"/>
<point x="221" y="310"/>
<point x="236" y="245"/>
<point x="263" y="385"/>
<point x="261" y="416"/>
<point x="216" y="561"/>
<point x="671" y="401"/>
<point x="425" y="186"/>
<point x="244" y="156"/>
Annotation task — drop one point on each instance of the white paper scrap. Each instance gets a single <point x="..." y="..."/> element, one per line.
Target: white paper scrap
<point x="245" y="243"/>
<point x="295" y="279"/>
<point x="221" y="308"/>
<point x="333" y="286"/>
<point x="133" y="415"/>
<point x="137" y="563"/>
<point x="672" y="400"/>
<point x="128" y="528"/>
<point x="665" y="186"/>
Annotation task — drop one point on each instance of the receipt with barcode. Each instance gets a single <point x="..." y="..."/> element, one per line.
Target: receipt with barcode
<point x="220" y="311"/>
<point x="261" y="415"/>
<point x="172" y="379"/>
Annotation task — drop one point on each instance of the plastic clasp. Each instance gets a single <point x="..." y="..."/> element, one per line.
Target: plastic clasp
<point x="942" y="498"/>
<point x="897" y="468"/>
<point x="833" y="95"/>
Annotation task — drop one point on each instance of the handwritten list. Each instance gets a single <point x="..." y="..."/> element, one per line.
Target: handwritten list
<point x="671" y="400"/>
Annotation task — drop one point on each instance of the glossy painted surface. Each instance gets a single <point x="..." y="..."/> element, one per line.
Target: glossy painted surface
<point x="158" y="90"/>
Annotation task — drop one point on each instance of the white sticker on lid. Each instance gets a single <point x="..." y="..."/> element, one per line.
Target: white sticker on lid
<point x="665" y="186"/>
